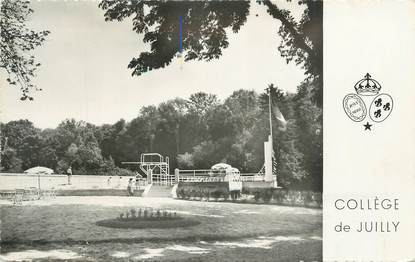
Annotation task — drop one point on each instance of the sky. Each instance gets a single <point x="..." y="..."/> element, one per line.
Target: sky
<point x="84" y="72"/>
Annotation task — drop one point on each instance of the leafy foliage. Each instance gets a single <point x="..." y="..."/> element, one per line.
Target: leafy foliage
<point x="302" y="42"/>
<point x="205" y="24"/>
<point x="195" y="133"/>
<point x="205" y="32"/>
<point x="17" y="40"/>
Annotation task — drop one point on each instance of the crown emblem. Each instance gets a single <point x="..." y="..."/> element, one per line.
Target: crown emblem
<point x="357" y="108"/>
<point x="367" y="86"/>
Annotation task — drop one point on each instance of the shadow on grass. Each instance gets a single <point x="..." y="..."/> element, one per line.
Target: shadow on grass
<point x="69" y="241"/>
<point x="148" y="223"/>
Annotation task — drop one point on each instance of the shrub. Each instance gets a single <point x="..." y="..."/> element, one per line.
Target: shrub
<point x="267" y="195"/>
<point x="216" y="194"/>
<point x="216" y="190"/>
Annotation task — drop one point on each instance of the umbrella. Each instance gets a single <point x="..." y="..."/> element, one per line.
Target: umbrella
<point x="221" y="166"/>
<point x="233" y="170"/>
<point x="39" y="170"/>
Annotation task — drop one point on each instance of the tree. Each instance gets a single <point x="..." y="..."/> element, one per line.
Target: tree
<point x="199" y="106"/>
<point x="22" y="140"/>
<point x="290" y="159"/>
<point x="172" y="115"/>
<point x="48" y="152"/>
<point x="150" y="118"/>
<point x="10" y="161"/>
<point x="17" y="131"/>
<point x="110" y="142"/>
<point x="204" y="23"/>
<point x="17" y="40"/>
<point x="199" y="103"/>
<point x="310" y="136"/>
<point x="243" y="108"/>
<point x="28" y="151"/>
<point x="302" y="42"/>
<point x="220" y="123"/>
<point x="185" y="161"/>
<point x="289" y="155"/>
<point x="194" y="133"/>
<point x="204" y="32"/>
<point x="89" y="154"/>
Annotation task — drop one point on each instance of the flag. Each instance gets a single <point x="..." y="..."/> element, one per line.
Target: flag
<point x="282" y="123"/>
<point x="274" y="166"/>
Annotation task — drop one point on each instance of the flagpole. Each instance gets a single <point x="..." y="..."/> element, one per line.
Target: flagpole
<point x="271" y="138"/>
<point x="268" y="145"/>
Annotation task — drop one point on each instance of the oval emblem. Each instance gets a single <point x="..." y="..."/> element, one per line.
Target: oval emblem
<point x="381" y="107"/>
<point x="354" y="107"/>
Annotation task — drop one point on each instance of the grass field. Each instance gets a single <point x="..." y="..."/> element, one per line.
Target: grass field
<point x="64" y="228"/>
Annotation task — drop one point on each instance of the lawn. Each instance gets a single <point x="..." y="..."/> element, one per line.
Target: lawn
<point x="66" y="227"/>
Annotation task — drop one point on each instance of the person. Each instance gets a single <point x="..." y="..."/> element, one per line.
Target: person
<point x="109" y="182"/>
<point x="119" y="182"/>
<point x="130" y="187"/>
<point x="69" y="173"/>
<point x="137" y="183"/>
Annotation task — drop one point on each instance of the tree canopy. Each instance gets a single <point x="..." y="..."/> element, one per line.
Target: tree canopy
<point x="195" y="133"/>
<point x="17" y="41"/>
<point x="205" y="22"/>
<point x="205" y="25"/>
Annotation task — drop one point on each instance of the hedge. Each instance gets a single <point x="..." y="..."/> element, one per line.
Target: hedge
<point x="203" y="190"/>
<point x="250" y="194"/>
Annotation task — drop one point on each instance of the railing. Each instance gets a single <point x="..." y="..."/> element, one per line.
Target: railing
<point x="200" y="175"/>
<point x="163" y="180"/>
<point x="209" y="175"/>
<point x="200" y="179"/>
<point x="151" y="156"/>
<point x="219" y="179"/>
<point x="200" y="172"/>
<point x="19" y="195"/>
<point x="140" y="183"/>
<point x="203" y="175"/>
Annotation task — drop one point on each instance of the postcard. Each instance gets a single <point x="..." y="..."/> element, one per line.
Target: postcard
<point x="271" y="130"/>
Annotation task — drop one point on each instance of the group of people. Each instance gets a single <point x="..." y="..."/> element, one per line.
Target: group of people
<point x="131" y="187"/>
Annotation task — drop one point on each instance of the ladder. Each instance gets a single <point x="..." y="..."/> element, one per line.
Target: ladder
<point x="156" y="167"/>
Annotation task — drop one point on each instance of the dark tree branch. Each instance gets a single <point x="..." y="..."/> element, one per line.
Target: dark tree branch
<point x="290" y="25"/>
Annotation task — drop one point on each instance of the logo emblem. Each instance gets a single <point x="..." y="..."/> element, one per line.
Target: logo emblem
<point x="381" y="107"/>
<point x="354" y="107"/>
<point x="367" y="93"/>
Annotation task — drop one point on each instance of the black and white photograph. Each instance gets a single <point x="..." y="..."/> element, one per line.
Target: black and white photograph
<point x="139" y="130"/>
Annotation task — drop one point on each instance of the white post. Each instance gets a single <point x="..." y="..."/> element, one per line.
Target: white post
<point x="268" y="146"/>
<point x="268" y="160"/>
<point x="38" y="185"/>
<point x="150" y="176"/>
<point x="176" y="175"/>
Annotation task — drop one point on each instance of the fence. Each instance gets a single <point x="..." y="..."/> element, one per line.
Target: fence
<point x="209" y="175"/>
<point x="13" y="181"/>
<point x="163" y="180"/>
